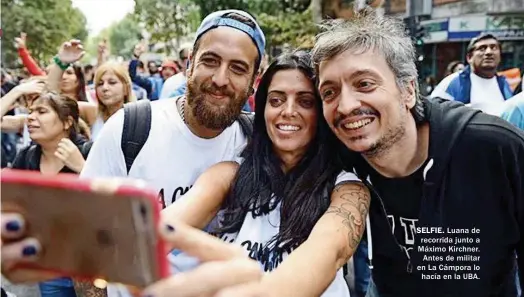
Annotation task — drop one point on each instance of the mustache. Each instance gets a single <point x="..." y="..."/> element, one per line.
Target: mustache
<point x="212" y="88"/>
<point x="357" y="112"/>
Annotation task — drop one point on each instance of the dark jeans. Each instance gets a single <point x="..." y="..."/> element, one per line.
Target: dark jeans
<point x="62" y="287"/>
<point x="362" y="271"/>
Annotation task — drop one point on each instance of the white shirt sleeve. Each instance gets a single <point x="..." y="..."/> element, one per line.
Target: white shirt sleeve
<point x="106" y="158"/>
<point x="441" y="89"/>
<point x="344" y="177"/>
<point x="170" y="85"/>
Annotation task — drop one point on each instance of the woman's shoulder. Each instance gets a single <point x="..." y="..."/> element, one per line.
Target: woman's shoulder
<point x="346" y="176"/>
<point x="27" y="158"/>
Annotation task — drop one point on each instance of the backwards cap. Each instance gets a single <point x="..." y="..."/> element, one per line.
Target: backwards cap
<point x="217" y="19"/>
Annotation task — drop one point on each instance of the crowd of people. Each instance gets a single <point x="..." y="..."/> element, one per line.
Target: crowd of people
<point x="338" y="164"/>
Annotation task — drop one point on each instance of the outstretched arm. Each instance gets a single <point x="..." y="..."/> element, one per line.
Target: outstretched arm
<point x="201" y="203"/>
<point x="312" y="267"/>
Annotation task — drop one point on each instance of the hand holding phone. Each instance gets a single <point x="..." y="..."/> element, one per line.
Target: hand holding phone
<point x="64" y="226"/>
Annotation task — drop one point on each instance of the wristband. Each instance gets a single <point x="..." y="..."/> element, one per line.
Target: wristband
<point x="60" y="64"/>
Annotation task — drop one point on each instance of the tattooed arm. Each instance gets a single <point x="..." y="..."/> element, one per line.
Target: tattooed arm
<point x="311" y="268"/>
<point x="87" y="289"/>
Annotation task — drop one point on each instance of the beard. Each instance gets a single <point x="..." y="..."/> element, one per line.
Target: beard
<point x="390" y="138"/>
<point x="211" y="116"/>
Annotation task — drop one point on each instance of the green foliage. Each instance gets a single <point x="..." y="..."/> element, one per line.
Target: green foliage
<point x="294" y="29"/>
<point x="123" y="36"/>
<point x="167" y="20"/>
<point x="91" y="45"/>
<point x="48" y="23"/>
<point x="255" y="7"/>
<point x="283" y="21"/>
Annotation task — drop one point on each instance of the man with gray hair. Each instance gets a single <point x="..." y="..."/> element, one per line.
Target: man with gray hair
<point x="447" y="181"/>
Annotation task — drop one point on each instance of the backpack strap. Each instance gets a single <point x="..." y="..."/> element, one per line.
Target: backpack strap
<point x="137" y="124"/>
<point x="246" y="120"/>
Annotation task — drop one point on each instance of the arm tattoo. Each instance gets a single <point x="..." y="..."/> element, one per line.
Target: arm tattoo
<point x="353" y="210"/>
<point x="87" y="289"/>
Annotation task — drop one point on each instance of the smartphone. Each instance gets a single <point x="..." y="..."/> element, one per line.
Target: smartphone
<point x="86" y="234"/>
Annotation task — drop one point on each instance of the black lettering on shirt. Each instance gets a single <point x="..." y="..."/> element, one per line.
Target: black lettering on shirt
<point x="179" y="192"/>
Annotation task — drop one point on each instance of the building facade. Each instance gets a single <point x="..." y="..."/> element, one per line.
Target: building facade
<point x="452" y="23"/>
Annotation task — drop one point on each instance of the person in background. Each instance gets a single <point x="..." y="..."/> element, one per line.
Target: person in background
<point x="263" y="66"/>
<point x="140" y="69"/>
<point x="57" y="148"/>
<point x="8" y="82"/>
<point x="518" y="89"/>
<point x="89" y="73"/>
<point x="514" y="111"/>
<point x="140" y="93"/>
<point x="73" y="82"/>
<point x="152" y="67"/>
<point x="428" y="85"/>
<point x="112" y="86"/>
<point x="113" y="89"/>
<point x="478" y="85"/>
<point x="13" y="116"/>
<point x="454" y="66"/>
<point x="152" y="84"/>
<point x="168" y="69"/>
<point x="176" y="85"/>
<point x="17" y="101"/>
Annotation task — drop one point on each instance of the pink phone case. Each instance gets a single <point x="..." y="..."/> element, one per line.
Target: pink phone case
<point x="86" y="234"/>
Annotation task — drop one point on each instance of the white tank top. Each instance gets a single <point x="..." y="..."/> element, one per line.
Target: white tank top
<point x="256" y="232"/>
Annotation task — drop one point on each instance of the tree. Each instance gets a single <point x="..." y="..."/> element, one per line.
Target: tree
<point x="294" y="29"/>
<point x="207" y="7"/>
<point x="255" y="7"/>
<point x="283" y="21"/>
<point x="123" y="36"/>
<point x="48" y="23"/>
<point x="167" y="20"/>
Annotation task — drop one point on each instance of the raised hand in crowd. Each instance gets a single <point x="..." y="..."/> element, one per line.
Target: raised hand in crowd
<point x="103" y="52"/>
<point x="140" y="48"/>
<point x="71" y="51"/>
<point x="20" y="41"/>
<point x="15" y="123"/>
<point x="33" y="86"/>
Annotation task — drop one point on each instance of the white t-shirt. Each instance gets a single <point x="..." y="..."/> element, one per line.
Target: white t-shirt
<point x="486" y="95"/>
<point x="255" y="234"/>
<point x="172" y="157"/>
